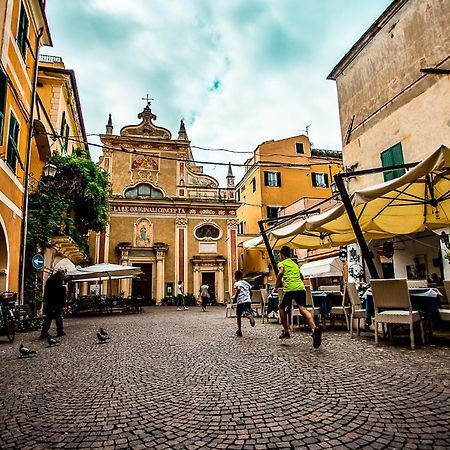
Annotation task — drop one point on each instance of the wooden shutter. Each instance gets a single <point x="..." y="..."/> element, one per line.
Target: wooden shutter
<point x="3" y="86"/>
<point x="266" y="179"/>
<point x="22" y="32"/>
<point x="325" y="177"/>
<point x="12" y="153"/>
<point x="393" y="156"/>
<point x="314" y="179"/>
<point x="278" y="179"/>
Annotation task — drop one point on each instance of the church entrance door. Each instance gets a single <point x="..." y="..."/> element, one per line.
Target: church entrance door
<point x="142" y="286"/>
<point x="210" y="279"/>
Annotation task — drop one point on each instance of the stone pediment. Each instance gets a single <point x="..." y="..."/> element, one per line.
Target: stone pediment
<point x="198" y="179"/>
<point x="146" y="128"/>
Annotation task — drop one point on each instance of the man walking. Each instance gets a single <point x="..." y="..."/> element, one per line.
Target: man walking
<point x="180" y="297"/>
<point x="290" y="277"/>
<point x="204" y="295"/>
<point x="54" y="299"/>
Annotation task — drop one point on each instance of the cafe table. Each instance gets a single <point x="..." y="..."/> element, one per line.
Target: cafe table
<point x="325" y="300"/>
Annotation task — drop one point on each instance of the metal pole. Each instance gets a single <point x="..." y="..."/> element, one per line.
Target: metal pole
<point x="24" y="225"/>
<point x="268" y="247"/>
<point x="366" y="253"/>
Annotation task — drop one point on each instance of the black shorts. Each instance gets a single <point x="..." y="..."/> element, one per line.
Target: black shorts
<point x="244" y="309"/>
<point x="298" y="296"/>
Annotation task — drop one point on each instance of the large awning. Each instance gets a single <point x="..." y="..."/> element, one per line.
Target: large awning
<point x="329" y="267"/>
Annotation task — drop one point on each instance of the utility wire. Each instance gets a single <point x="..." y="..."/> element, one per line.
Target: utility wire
<point x="134" y="151"/>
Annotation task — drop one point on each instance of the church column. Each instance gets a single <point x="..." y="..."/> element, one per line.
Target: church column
<point x="181" y="249"/>
<point x="160" y="250"/>
<point x="232" y="251"/>
<point x="125" y="283"/>
<point x="197" y="280"/>
<point x="220" y="284"/>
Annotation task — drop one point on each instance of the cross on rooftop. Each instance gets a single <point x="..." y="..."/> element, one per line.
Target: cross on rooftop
<point x="148" y="100"/>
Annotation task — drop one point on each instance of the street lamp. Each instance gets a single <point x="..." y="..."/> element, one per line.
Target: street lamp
<point x="50" y="170"/>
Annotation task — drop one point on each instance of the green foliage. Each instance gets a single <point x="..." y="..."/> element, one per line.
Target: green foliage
<point x="326" y="153"/>
<point x="74" y="202"/>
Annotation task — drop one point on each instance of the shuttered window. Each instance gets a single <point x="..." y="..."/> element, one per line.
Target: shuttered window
<point x="22" y="31"/>
<point x="393" y="156"/>
<point x="12" y="152"/>
<point x="272" y="179"/>
<point x="319" y="179"/>
<point x="3" y="86"/>
<point x="254" y="184"/>
<point x="272" y="212"/>
<point x="299" y="148"/>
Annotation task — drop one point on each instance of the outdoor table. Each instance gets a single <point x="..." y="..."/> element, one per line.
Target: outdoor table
<point x="325" y="300"/>
<point x="424" y="300"/>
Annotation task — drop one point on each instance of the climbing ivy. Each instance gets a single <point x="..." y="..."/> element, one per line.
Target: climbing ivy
<point x="72" y="203"/>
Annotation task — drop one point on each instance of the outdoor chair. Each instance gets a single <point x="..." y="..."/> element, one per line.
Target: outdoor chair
<point x="393" y="306"/>
<point x="265" y="305"/>
<point x="334" y="288"/>
<point x="314" y="310"/>
<point x="445" y="313"/>
<point x="342" y="311"/>
<point x="230" y="305"/>
<point x="357" y="311"/>
<point x="417" y="283"/>
<point x="257" y="302"/>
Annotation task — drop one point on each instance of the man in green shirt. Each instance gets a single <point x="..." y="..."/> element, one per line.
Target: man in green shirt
<point x="290" y="277"/>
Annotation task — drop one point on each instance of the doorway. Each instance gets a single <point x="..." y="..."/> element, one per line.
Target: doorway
<point x="209" y="278"/>
<point x="3" y="259"/>
<point x="142" y="286"/>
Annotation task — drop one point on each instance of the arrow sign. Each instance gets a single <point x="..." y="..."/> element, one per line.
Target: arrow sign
<point x="37" y="261"/>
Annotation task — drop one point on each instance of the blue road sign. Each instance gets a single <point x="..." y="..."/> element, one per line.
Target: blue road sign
<point x="37" y="261"/>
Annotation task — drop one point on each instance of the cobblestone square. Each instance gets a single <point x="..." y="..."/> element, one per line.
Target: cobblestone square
<point x="182" y="380"/>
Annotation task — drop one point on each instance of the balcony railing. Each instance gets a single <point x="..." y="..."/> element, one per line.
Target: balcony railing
<point x="50" y="59"/>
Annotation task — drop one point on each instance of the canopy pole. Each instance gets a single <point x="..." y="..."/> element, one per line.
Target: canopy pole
<point x="366" y="253"/>
<point x="268" y="247"/>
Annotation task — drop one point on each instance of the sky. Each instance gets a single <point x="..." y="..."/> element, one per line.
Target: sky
<point x="239" y="72"/>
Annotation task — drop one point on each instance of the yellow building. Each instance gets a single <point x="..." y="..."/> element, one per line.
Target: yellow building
<point x="167" y="217"/>
<point x="23" y="29"/>
<point x="280" y="173"/>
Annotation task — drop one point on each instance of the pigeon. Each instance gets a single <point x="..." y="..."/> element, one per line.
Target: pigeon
<point x="101" y="337"/>
<point x="51" y="341"/>
<point x="103" y="332"/>
<point x="25" y="351"/>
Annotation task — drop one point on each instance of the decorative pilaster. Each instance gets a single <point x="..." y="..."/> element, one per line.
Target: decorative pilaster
<point x="160" y="251"/>
<point x="220" y="284"/>
<point x="232" y="250"/>
<point x="197" y="280"/>
<point x="181" y="249"/>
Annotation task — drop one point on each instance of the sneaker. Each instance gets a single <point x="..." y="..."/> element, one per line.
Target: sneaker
<point x="238" y="333"/>
<point x="317" y="337"/>
<point x="186" y="308"/>
<point x="285" y="335"/>
<point x="60" y="333"/>
<point x="252" y="321"/>
<point x="178" y="309"/>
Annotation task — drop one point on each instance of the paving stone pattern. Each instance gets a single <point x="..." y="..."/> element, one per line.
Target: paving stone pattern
<point x="182" y="380"/>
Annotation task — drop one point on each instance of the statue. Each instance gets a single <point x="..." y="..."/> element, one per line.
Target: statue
<point x="143" y="233"/>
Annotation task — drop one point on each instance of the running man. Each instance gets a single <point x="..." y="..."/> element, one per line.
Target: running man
<point x="290" y="277"/>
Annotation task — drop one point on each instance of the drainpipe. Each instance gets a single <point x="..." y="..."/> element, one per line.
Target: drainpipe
<point x="24" y="227"/>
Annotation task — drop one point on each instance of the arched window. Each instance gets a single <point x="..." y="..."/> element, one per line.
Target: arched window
<point x="143" y="190"/>
<point x="207" y="231"/>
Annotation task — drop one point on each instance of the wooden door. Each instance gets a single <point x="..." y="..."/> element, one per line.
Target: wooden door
<point x="142" y="286"/>
<point x="209" y="278"/>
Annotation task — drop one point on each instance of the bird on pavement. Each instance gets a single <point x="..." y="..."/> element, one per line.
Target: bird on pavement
<point x="25" y="351"/>
<point x="51" y="341"/>
<point x="101" y="337"/>
<point x="103" y="332"/>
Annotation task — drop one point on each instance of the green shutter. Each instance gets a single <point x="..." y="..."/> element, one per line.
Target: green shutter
<point x="278" y="179"/>
<point x="3" y="87"/>
<point x="12" y="150"/>
<point x="393" y="156"/>
<point x="266" y="179"/>
<point x="22" y="32"/>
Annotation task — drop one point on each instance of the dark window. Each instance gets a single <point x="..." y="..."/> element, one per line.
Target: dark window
<point x="319" y="179"/>
<point x="207" y="231"/>
<point x="254" y="184"/>
<point x="392" y="157"/>
<point x="299" y="148"/>
<point x="22" y="31"/>
<point x="143" y="190"/>
<point x="3" y="86"/>
<point x="66" y="141"/>
<point x="272" y="179"/>
<point x="12" y="152"/>
<point x="272" y="212"/>
<point x="238" y="195"/>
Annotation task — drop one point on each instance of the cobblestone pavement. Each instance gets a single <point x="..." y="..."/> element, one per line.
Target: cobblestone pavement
<point x="182" y="380"/>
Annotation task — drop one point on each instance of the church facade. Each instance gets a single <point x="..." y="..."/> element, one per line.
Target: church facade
<point x="167" y="217"/>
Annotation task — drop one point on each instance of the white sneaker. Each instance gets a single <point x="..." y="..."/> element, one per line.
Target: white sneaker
<point x="178" y="309"/>
<point x="186" y="308"/>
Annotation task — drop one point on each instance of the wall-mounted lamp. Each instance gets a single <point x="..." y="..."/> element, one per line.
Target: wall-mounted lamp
<point x="50" y="170"/>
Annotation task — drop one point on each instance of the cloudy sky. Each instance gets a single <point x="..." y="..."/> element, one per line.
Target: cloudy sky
<point x="240" y="72"/>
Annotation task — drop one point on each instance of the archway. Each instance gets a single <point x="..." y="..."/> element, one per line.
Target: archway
<point x="3" y="257"/>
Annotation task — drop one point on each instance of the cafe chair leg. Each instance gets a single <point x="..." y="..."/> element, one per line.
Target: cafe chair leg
<point x="422" y="336"/>
<point x="375" y="324"/>
<point x="411" y="334"/>
<point x="351" y="326"/>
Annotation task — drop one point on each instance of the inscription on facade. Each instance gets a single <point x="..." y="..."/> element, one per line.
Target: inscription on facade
<point x="141" y="209"/>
